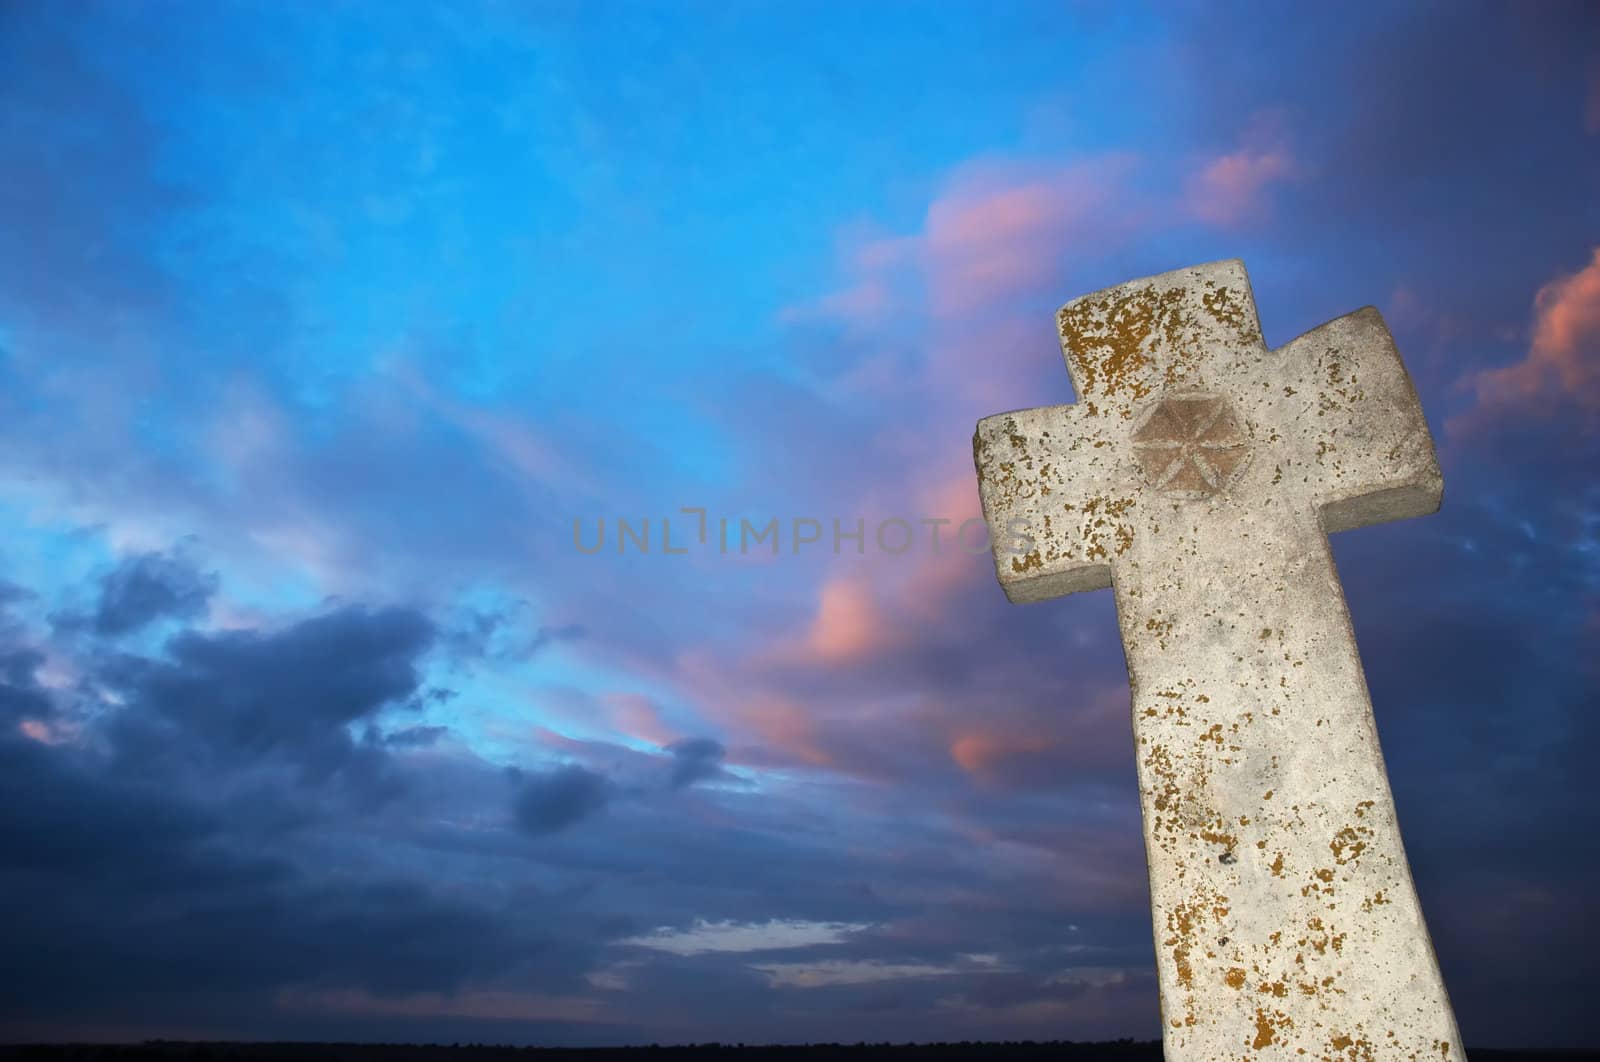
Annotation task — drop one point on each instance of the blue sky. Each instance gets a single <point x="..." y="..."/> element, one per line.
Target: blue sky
<point x="321" y="326"/>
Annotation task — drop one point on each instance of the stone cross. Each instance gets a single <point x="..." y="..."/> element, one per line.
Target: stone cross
<point x="1199" y="475"/>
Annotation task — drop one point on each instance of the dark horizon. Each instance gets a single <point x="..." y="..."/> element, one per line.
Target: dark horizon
<point x="1123" y="1050"/>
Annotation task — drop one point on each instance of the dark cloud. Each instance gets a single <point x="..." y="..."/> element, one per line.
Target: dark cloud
<point x="20" y="696"/>
<point x="696" y="759"/>
<point x="300" y="699"/>
<point x="503" y="634"/>
<point x="151" y="586"/>
<point x="242" y="696"/>
<point x="551" y="801"/>
<point x="163" y="884"/>
<point x="416" y="736"/>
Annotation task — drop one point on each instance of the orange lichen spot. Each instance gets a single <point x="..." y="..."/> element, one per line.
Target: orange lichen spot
<point x="1234" y="977"/>
<point x="1112" y="341"/>
<point x="1031" y="560"/>
<point x="1265" y="1032"/>
<point x="1347" y="844"/>
<point x="1229" y="309"/>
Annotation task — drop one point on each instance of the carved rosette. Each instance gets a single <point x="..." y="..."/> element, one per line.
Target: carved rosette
<point x="1190" y="445"/>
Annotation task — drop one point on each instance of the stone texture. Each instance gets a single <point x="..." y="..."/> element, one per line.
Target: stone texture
<point x="1199" y="475"/>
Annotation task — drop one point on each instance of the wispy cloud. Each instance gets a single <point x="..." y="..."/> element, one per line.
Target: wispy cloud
<point x="775" y="935"/>
<point x="1233" y="188"/>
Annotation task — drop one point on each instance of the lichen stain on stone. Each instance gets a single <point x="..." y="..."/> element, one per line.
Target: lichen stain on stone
<point x="1102" y="529"/>
<point x="1109" y="340"/>
<point x="1180" y="922"/>
<point x="1030" y="561"/>
<point x="1268" y="1026"/>
<point x="1348" y="844"/>
<point x="1160" y="628"/>
<point x="1355" y="1049"/>
<point x="1230" y="309"/>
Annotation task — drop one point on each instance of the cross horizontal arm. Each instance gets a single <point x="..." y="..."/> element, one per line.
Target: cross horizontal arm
<point x="1356" y="433"/>
<point x="1056" y="497"/>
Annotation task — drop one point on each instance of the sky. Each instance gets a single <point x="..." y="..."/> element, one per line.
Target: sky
<point x="333" y="337"/>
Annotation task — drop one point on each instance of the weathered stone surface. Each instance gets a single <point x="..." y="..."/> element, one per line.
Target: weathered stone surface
<point x="1199" y="474"/>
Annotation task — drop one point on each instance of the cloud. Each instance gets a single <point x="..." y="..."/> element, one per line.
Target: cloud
<point x="636" y="716"/>
<point x="998" y="229"/>
<point x="503" y="634"/>
<point x="150" y="586"/>
<point x="21" y="697"/>
<point x="845" y="972"/>
<point x="1564" y="357"/>
<point x="998" y="232"/>
<point x="550" y="801"/>
<point x="849" y="624"/>
<point x="776" y="935"/>
<point x="171" y="833"/>
<point x="1231" y="189"/>
<point x="242" y="698"/>
<point x="696" y="759"/>
<point x="413" y="737"/>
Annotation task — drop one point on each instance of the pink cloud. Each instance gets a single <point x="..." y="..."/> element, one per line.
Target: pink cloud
<point x="1231" y="189"/>
<point x="1564" y="355"/>
<point x="787" y="728"/>
<point x="1035" y="748"/>
<point x="868" y="299"/>
<point x="637" y="717"/>
<point x="34" y="730"/>
<point x="849" y="622"/>
<point x="849" y="625"/>
<point x="842" y="686"/>
<point x="980" y="753"/>
<point x="998" y="230"/>
<point x="862" y="617"/>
